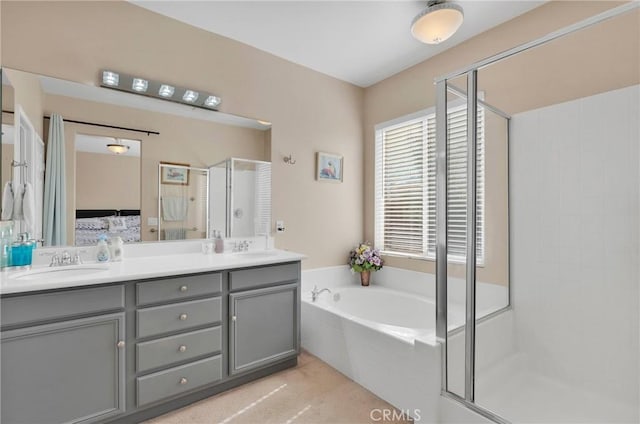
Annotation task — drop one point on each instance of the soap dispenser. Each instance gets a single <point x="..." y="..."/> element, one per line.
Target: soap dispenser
<point x="22" y="250"/>
<point x="117" y="249"/>
<point x="102" y="249"/>
<point x="219" y="243"/>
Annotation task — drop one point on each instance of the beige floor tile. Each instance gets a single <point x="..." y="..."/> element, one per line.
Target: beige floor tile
<point x="312" y="392"/>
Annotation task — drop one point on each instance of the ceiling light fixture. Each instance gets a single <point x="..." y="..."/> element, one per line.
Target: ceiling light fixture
<point x="118" y="148"/>
<point x="159" y="90"/>
<point x="439" y="21"/>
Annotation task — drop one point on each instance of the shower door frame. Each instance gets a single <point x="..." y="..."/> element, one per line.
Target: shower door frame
<point x="442" y="88"/>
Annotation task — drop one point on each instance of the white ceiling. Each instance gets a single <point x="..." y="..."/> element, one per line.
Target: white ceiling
<point x="361" y="42"/>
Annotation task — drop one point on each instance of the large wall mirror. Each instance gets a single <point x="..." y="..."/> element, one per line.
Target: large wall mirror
<point x="113" y="146"/>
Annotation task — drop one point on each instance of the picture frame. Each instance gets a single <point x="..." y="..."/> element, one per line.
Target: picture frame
<point x="178" y="175"/>
<point x="329" y="167"/>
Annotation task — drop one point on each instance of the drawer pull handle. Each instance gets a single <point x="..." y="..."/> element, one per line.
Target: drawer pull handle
<point x="184" y="288"/>
<point x="120" y="344"/>
<point x="183" y="381"/>
<point x="183" y="317"/>
<point x="182" y="348"/>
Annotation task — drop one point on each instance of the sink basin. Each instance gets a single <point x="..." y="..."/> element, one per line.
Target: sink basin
<point x="62" y="271"/>
<point x="258" y="254"/>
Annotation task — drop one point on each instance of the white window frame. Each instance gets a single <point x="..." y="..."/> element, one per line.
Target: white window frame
<point x="428" y="252"/>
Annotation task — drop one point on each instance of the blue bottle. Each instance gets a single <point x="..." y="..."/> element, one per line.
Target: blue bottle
<point x="102" y="249"/>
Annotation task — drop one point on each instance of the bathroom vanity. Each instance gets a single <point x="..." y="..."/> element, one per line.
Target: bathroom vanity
<point x="137" y="341"/>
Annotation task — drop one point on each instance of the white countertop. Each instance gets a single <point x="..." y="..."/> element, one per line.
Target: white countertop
<point x="138" y="268"/>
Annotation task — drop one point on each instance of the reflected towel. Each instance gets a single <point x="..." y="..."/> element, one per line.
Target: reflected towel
<point x="7" y="201"/>
<point x="174" y="208"/>
<point x="18" y="193"/>
<point x="175" y="233"/>
<point x="29" y="208"/>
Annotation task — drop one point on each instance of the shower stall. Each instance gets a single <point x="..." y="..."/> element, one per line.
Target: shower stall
<point x="240" y="197"/>
<point x="537" y="176"/>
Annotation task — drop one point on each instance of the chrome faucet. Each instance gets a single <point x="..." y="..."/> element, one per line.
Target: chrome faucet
<point x="241" y="246"/>
<point x="64" y="259"/>
<point x="315" y="292"/>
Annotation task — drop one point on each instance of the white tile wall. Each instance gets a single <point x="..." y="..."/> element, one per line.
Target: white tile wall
<point x="575" y="240"/>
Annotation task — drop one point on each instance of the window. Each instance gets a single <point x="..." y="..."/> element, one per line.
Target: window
<point x="405" y="214"/>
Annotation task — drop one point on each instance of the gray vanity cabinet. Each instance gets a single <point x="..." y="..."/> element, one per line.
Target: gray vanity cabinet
<point x="69" y="371"/>
<point x="64" y="359"/>
<point x="264" y="321"/>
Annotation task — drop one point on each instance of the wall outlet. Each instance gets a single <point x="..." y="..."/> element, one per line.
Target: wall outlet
<point x="279" y="226"/>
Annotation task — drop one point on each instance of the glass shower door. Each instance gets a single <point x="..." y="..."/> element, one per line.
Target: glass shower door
<point x="560" y="223"/>
<point x="183" y="202"/>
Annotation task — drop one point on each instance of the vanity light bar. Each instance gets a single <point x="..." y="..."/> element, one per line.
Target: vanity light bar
<point x="158" y="90"/>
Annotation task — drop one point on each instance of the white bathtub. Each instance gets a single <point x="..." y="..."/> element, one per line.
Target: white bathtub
<point x="382" y="336"/>
<point x="389" y="311"/>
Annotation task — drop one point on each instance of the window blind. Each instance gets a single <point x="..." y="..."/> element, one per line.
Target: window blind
<point x="262" y="218"/>
<point x="406" y="186"/>
<point x="401" y="165"/>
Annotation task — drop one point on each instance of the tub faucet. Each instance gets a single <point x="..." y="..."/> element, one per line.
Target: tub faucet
<point x="315" y="293"/>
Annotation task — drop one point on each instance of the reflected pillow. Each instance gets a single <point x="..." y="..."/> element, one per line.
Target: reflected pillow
<point x="117" y="223"/>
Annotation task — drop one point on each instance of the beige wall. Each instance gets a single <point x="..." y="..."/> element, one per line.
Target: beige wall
<point x="106" y="181"/>
<point x="183" y="140"/>
<point x="310" y="111"/>
<point x="602" y="58"/>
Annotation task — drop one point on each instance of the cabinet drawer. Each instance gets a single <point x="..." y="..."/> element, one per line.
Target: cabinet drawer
<point x="165" y="351"/>
<point x="61" y="304"/>
<point x="174" y="381"/>
<point x="256" y="277"/>
<point x="178" y="288"/>
<point x="179" y="316"/>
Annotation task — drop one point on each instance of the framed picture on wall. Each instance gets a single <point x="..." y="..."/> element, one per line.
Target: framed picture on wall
<point x="329" y="167"/>
<point x="174" y="173"/>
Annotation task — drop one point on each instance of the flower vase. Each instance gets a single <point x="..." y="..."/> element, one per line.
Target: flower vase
<point x="364" y="277"/>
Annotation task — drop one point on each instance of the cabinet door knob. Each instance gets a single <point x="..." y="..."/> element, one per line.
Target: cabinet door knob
<point x="233" y="318"/>
<point x="184" y="288"/>
<point x="183" y="381"/>
<point x="120" y="343"/>
<point x="183" y="317"/>
<point x="182" y="348"/>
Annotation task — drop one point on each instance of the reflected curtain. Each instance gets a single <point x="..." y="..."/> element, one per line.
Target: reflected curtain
<point x="55" y="196"/>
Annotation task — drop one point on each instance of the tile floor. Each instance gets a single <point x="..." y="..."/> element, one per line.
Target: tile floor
<point x="311" y="392"/>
